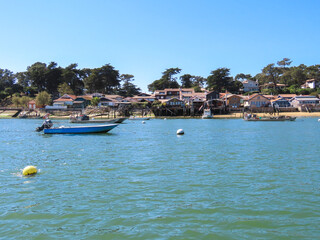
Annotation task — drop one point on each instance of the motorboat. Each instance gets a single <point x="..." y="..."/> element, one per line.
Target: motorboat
<point x="48" y="129"/>
<point x="207" y="114"/>
<point x="253" y="117"/>
<point x="85" y="119"/>
<point x="139" y="118"/>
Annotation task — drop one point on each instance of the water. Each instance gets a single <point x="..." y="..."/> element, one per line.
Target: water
<point x="223" y="179"/>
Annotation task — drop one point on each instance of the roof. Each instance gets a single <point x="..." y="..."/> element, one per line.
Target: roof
<point x="63" y="100"/>
<point x="287" y="95"/>
<point x="280" y="98"/>
<point x="32" y="102"/>
<point x="255" y="95"/>
<point x="270" y="96"/>
<point x="68" y="96"/>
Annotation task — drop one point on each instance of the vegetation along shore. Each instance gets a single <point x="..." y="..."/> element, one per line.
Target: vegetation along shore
<point x="48" y="88"/>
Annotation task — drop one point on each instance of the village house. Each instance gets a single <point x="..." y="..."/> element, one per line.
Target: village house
<point x="65" y="100"/>
<point x="231" y="100"/>
<point x="82" y="101"/>
<point x="256" y="100"/>
<point x="280" y="103"/>
<point x="287" y="96"/>
<point x="311" y="83"/>
<point x="110" y="100"/>
<point x="250" y="86"/>
<point x="173" y="102"/>
<point x="179" y="93"/>
<point x="144" y="97"/>
<point x="299" y="101"/>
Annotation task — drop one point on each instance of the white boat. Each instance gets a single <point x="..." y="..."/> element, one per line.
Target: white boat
<point x="138" y="118"/>
<point x="207" y="114"/>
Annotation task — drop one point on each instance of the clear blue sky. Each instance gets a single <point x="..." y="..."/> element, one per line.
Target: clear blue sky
<point x="145" y="37"/>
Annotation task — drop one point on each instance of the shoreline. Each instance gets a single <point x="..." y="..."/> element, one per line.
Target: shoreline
<point x="222" y="116"/>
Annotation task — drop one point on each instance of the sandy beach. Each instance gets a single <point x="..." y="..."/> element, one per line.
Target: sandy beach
<point x="8" y="114"/>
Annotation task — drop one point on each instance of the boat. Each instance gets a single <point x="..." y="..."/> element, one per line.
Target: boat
<point x="207" y="114"/>
<point x="139" y="118"/>
<point x="48" y="129"/>
<point x="85" y="119"/>
<point x="253" y="117"/>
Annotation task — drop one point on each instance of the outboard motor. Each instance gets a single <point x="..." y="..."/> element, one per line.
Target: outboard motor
<point x="46" y="124"/>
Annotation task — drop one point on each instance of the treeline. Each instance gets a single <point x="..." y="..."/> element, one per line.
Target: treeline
<point x="55" y="80"/>
<point x="220" y="79"/>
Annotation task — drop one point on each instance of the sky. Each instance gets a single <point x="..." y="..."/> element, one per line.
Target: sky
<point x="146" y="37"/>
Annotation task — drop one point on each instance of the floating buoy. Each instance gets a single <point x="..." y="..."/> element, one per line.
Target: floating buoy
<point x="143" y="122"/>
<point x="319" y="120"/>
<point x="180" y="132"/>
<point x="164" y="119"/>
<point x="29" y="170"/>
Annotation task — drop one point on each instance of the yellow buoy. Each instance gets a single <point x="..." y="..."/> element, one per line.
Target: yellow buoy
<point x="28" y="170"/>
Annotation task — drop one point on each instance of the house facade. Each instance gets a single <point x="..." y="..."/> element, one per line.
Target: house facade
<point x="311" y="83"/>
<point x="232" y="100"/>
<point x="299" y="101"/>
<point x="280" y="103"/>
<point x="250" y="86"/>
<point x="257" y="100"/>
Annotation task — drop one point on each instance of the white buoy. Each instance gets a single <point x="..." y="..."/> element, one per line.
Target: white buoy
<point x="319" y="120"/>
<point x="180" y="132"/>
<point x="164" y="119"/>
<point x="143" y="122"/>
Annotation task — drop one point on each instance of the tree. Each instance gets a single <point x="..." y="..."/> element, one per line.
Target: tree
<point x="7" y="79"/>
<point x="166" y="81"/>
<point x="16" y="101"/>
<point x="104" y="79"/>
<point x="43" y="98"/>
<point x="186" y="81"/>
<point x="284" y="62"/>
<point x="24" y="101"/>
<point x="219" y="79"/>
<point x="64" y="88"/>
<point x="73" y="77"/>
<point x="128" y="89"/>
<point x="242" y="77"/>
<point x="37" y="75"/>
<point x="95" y="101"/>
<point x="272" y="73"/>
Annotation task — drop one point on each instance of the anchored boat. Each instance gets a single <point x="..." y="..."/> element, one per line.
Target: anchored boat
<point x="47" y="128"/>
<point x="253" y="117"/>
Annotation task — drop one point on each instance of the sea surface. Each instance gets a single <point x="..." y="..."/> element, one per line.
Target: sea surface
<point x="222" y="179"/>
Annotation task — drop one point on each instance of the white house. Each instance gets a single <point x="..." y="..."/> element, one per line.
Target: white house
<point x="250" y="86"/>
<point x="311" y="83"/>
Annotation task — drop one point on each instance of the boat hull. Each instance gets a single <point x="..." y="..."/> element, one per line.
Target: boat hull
<point x="270" y="119"/>
<point x="81" y="129"/>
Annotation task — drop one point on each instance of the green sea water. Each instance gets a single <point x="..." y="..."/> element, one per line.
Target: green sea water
<point x="223" y="179"/>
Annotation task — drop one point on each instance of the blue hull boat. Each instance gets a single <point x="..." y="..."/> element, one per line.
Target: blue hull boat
<point x="80" y="129"/>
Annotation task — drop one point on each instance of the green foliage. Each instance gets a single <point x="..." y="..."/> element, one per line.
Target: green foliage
<point x="166" y="81"/>
<point x="105" y="80"/>
<point x="128" y="89"/>
<point x="16" y="101"/>
<point x="43" y="98"/>
<point x="220" y="80"/>
<point x="95" y="101"/>
<point x="24" y="101"/>
<point x="64" y="88"/>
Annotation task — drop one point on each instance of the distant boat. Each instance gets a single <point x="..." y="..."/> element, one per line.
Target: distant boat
<point x="207" y="114"/>
<point x="253" y="117"/>
<point x="85" y="119"/>
<point x="138" y="118"/>
<point x="47" y="128"/>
